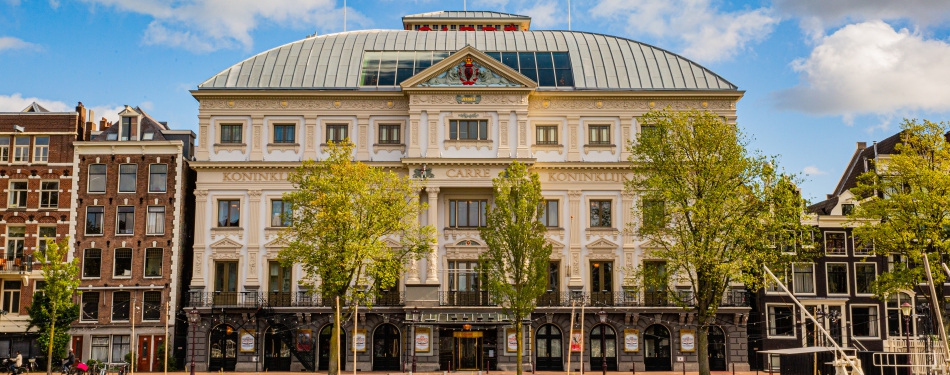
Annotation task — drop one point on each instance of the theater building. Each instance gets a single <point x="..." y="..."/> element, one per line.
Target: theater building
<point x="451" y="99"/>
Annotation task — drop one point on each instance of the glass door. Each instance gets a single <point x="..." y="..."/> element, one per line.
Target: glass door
<point x="601" y="283"/>
<point x="467" y="349"/>
<point x="278" y="288"/>
<point x="225" y="283"/>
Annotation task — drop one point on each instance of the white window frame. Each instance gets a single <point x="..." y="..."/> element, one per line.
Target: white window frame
<point x="40" y="239"/>
<point x="19" y="295"/>
<point x="105" y="184"/>
<point x="41" y="152"/>
<point x="5" y="149"/>
<point x="769" y="282"/>
<point x="813" y="283"/>
<point x="856" y="293"/>
<point x="149" y="187"/>
<point x="119" y="180"/>
<point x="854" y="245"/>
<point x="112" y="306"/>
<point x="82" y="269"/>
<point x="877" y="322"/>
<point x="115" y="264"/>
<point x="82" y="317"/>
<point x="11" y="194"/>
<point x="102" y="222"/>
<point x="160" y="298"/>
<point x="9" y="238"/>
<point x="845" y="243"/>
<point x="148" y="221"/>
<point x="847" y="279"/>
<point x="21" y="153"/>
<point x="117" y="221"/>
<point x="161" y="268"/>
<point x="47" y="191"/>
<point x="769" y="321"/>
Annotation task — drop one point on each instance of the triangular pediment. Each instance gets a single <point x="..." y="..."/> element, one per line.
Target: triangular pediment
<point x="554" y="244"/>
<point x="393" y="244"/>
<point x="469" y="68"/>
<point x="226" y="243"/>
<point x="602" y="244"/>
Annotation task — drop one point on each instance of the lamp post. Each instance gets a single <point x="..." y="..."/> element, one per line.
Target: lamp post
<point x="905" y="310"/>
<point x="415" y="317"/>
<point x="193" y="318"/>
<point x="603" y="344"/>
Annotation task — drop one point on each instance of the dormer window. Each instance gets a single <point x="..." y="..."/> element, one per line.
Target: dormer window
<point x="125" y="130"/>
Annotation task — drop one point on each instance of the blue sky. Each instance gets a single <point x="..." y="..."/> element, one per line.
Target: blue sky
<point x="819" y="75"/>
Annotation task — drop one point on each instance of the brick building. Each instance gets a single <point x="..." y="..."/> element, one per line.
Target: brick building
<point x="133" y="218"/>
<point x="36" y="173"/>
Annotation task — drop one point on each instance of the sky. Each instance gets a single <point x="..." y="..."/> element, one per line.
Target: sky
<point x="818" y="75"/>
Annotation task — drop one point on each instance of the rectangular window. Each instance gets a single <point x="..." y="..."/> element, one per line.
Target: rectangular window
<point x="600" y="213"/>
<point x="49" y="194"/>
<point x="92" y="263"/>
<point x="781" y="321"/>
<point x="231" y="133"/>
<point x="125" y="220"/>
<point x="4" y="149"/>
<point x="21" y="149"/>
<point x="41" y="150"/>
<point x="835" y="243"/>
<point x="598" y="135"/>
<point x="336" y="133"/>
<point x="125" y="132"/>
<point x="157" y="178"/>
<point x="550" y="214"/>
<point x="464" y="276"/>
<point x="864" y="275"/>
<point x="837" y="274"/>
<point x="16" y="237"/>
<point x="47" y="235"/>
<point x="803" y="278"/>
<point x="100" y="348"/>
<point x="285" y="133"/>
<point x="467" y="213"/>
<point x="155" y="223"/>
<point x="123" y="263"/>
<point x="654" y="213"/>
<point x="17" y="194"/>
<point x="281" y="213"/>
<point x="97" y="178"/>
<point x="152" y="305"/>
<point x="648" y="132"/>
<point x="864" y="321"/>
<point x="546" y="135"/>
<point x="94" y="219"/>
<point x="127" y="174"/>
<point x="121" y="345"/>
<point x="11" y="296"/>
<point x="153" y="262"/>
<point x="862" y="247"/>
<point x="90" y="307"/>
<point x="389" y="134"/>
<point x="229" y="213"/>
<point x="847" y="209"/>
<point x="468" y="130"/>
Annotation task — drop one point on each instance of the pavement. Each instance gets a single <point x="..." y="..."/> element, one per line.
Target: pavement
<point x="474" y="373"/>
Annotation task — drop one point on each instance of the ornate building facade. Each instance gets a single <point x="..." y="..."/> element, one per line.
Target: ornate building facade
<point x="452" y="100"/>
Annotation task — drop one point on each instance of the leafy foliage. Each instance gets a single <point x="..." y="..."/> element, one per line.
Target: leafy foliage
<point x="516" y="263"/>
<point x="54" y="311"/>
<point x="710" y="209"/>
<point x="343" y="213"/>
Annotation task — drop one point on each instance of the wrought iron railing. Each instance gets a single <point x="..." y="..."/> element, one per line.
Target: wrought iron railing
<point x="16" y="264"/>
<point x="456" y="298"/>
<point x="225" y="299"/>
<point x="732" y="298"/>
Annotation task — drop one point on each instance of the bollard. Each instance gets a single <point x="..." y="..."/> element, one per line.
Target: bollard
<point x="684" y="368"/>
<point x="733" y="368"/>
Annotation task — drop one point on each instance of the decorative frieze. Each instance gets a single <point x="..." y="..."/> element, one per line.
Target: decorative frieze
<point x="358" y="104"/>
<point x="626" y="104"/>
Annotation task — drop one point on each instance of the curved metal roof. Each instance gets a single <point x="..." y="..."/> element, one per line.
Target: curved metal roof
<point x="465" y="14"/>
<point x="599" y="62"/>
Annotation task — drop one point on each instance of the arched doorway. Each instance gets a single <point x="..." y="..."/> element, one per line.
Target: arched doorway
<point x="277" y="345"/>
<point x="222" y="348"/>
<point x="603" y="339"/>
<point x="323" y="344"/>
<point x="548" y="348"/>
<point x="657" y="352"/>
<point x="716" y="347"/>
<point x="386" y="348"/>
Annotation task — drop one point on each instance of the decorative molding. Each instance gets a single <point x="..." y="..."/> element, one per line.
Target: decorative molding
<point x="229" y="147"/>
<point x="502" y="99"/>
<point x="271" y="233"/>
<point x="454" y="234"/>
<point x="555" y="233"/>
<point x="548" y="148"/>
<point x="469" y="73"/>
<point x="574" y="194"/>
<point x="464" y="249"/>
<point x="295" y="147"/>
<point x="226" y="243"/>
<point x="358" y="104"/>
<point x="600" y="148"/>
<point x="627" y="104"/>
<point x="223" y="232"/>
<point x="602" y="249"/>
<point x="389" y="147"/>
<point x="602" y="232"/>
<point x="459" y="143"/>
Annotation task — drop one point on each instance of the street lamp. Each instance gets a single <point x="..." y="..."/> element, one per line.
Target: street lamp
<point x="905" y="310"/>
<point x="415" y="317"/>
<point x="193" y="317"/>
<point x="603" y="344"/>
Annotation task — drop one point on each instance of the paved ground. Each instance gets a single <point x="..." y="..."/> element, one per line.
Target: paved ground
<point x="477" y="373"/>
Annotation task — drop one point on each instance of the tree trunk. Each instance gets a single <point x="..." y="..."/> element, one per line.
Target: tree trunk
<point x="334" y="345"/>
<point x="52" y="335"/>
<point x="519" y="332"/>
<point x="702" y="348"/>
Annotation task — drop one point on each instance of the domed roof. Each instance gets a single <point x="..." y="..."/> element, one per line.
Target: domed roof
<point x="598" y="62"/>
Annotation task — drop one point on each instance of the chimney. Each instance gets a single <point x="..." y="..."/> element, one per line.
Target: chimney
<point x="827" y="196"/>
<point x="104" y="124"/>
<point x="862" y="145"/>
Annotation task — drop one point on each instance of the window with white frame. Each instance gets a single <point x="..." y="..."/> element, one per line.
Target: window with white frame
<point x="468" y="130"/>
<point x="549" y="215"/>
<point x="100" y="349"/>
<point x="4" y="149"/>
<point x="92" y="263"/>
<point x="836" y="276"/>
<point x="11" y="296"/>
<point x="864" y="321"/>
<point x="16" y="238"/>
<point x="41" y="149"/>
<point x="157" y="178"/>
<point x="94" y="219"/>
<point x="155" y="222"/>
<point x="21" y="149"/>
<point x="123" y="263"/>
<point x="127" y="177"/>
<point x="125" y="220"/>
<point x="125" y="131"/>
<point x="895" y="318"/>
<point x="153" y="262"/>
<point x="89" y="311"/>
<point x="49" y="194"/>
<point x="864" y="276"/>
<point x="862" y="246"/>
<point x="152" y="305"/>
<point x="97" y="178"/>
<point x="781" y="321"/>
<point x="546" y="135"/>
<point x="894" y="260"/>
<point x="835" y="243"/>
<point x="121" y="346"/>
<point x="121" y="305"/>
<point x="803" y="278"/>
<point x="17" y="193"/>
<point x="46" y="236"/>
<point x="467" y="213"/>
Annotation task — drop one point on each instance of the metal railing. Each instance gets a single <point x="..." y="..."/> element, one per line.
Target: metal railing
<point x="456" y="298"/>
<point x="732" y="298"/>
<point x="225" y="299"/>
<point x="307" y="299"/>
<point x="16" y="264"/>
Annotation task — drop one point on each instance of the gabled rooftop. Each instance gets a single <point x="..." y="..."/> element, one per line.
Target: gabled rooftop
<point x="34" y="108"/>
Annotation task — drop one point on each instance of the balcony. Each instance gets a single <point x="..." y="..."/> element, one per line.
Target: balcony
<point x="18" y="264"/>
<point x="456" y="298"/>
<point x="732" y="298"/>
<point x="306" y="299"/>
<point x="225" y="299"/>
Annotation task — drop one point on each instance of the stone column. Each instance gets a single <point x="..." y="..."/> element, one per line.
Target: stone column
<point x="432" y="273"/>
<point x="524" y="150"/>
<point x="362" y="138"/>
<point x="257" y="128"/>
<point x="204" y="144"/>
<point x="253" y="241"/>
<point x="201" y="203"/>
<point x="629" y="248"/>
<point x="573" y="146"/>
<point x="577" y="221"/>
<point x="413" y="134"/>
<point x="413" y="272"/>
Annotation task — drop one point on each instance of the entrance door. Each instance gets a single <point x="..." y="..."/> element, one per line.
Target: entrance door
<point x="324" y="346"/>
<point x="146" y="353"/>
<point x="655" y="293"/>
<point x="386" y="348"/>
<point x="276" y="350"/>
<point x="657" y="351"/>
<point x="548" y="348"/>
<point x="603" y="347"/>
<point x="278" y="285"/>
<point x="225" y="283"/>
<point x="223" y="348"/>
<point x="601" y="283"/>
<point x="157" y="341"/>
<point x="552" y="296"/>
<point x="716" y="348"/>
<point x="467" y="349"/>
<point x="77" y="346"/>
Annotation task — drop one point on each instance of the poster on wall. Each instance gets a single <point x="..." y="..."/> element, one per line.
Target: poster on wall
<point x="576" y="338"/>
<point x="423" y="337"/>
<point x="304" y="340"/>
<point x="359" y="342"/>
<point x="687" y="340"/>
<point x="511" y="336"/>
<point x="631" y="340"/>
<point x="247" y="341"/>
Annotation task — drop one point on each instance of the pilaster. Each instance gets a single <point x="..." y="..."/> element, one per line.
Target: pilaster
<point x="204" y="128"/>
<point x="310" y="131"/>
<point x="257" y="128"/>
<point x="414" y="135"/>
<point x="253" y="241"/>
<point x="362" y="131"/>
<point x="504" y="150"/>
<point x="523" y="150"/>
<point x="629" y="248"/>
<point x="201" y="203"/>
<point x="413" y="272"/>
<point x="433" y="149"/>
<point x="626" y="135"/>
<point x="432" y="273"/>
<point x="573" y="147"/>
<point x="574" y="200"/>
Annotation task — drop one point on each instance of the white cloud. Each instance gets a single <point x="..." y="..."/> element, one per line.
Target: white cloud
<point x="701" y="31"/>
<point x="207" y="25"/>
<point x="834" y="12"/>
<point x="870" y="68"/>
<point x="16" y="102"/>
<point x="543" y="14"/>
<point x="11" y="43"/>
<point x="812" y="170"/>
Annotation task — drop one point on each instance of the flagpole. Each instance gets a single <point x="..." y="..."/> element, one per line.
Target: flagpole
<point x="465" y="5"/>
<point x="568" y="15"/>
<point x="344" y="15"/>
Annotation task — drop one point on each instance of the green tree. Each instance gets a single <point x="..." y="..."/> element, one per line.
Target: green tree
<point x="343" y="213"/>
<point x="53" y="311"/>
<point x="902" y="206"/>
<point x="710" y="208"/>
<point x="516" y="263"/>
